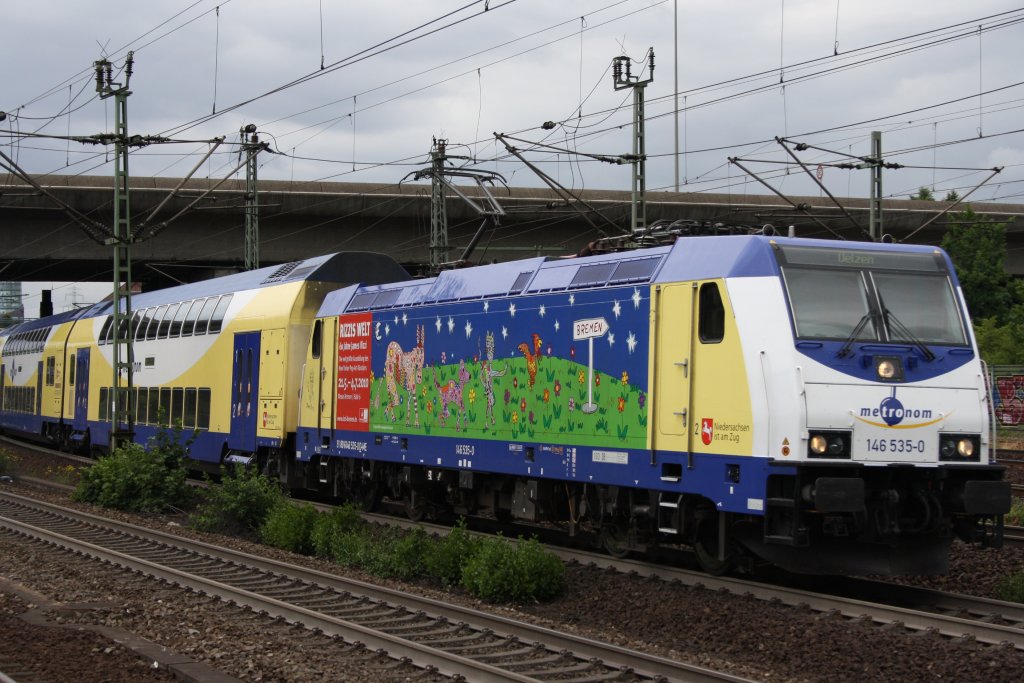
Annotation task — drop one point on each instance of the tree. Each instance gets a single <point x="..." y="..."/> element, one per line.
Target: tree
<point x="978" y="249"/>
<point x="924" y="194"/>
<point x="952" y="196"/>
<point x="995" y="300"/>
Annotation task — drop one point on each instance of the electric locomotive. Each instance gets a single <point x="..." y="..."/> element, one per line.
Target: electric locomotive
<point x="818" y="405"/>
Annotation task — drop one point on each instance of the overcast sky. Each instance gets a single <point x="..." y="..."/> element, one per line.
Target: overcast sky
<point x="824" y="72"/>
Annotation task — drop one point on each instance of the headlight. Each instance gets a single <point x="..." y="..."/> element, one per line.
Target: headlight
<point x="959" y="447"/>
<point x="886" y="369"/>
<point x="828" y="444"/>
<point x="889" y="369"/>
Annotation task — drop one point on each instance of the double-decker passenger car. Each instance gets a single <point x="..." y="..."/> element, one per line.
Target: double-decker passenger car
<point x="222" y="358"/>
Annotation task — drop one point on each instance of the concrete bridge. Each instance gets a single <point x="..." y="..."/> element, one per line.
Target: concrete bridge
<point x="299" y="219"/>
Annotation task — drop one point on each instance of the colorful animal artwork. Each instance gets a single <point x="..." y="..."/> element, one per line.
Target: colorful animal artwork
<point x="405" y="369"/>
<point x="451" y="393"/>
<point x="531" y="357"/>
<point x="487" y="375"/>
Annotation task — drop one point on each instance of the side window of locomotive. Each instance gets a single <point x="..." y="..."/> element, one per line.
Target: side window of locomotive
<point x="711" y="323"/>
<point x="51" y="365"/>
<point x="217" y="321"/>
<point x="316" y="343"/>
<point x="203" y="321"/>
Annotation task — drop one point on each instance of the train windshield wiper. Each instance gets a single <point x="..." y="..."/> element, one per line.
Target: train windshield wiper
<point x="845" y="349"/>
<point x="894" y="323"/>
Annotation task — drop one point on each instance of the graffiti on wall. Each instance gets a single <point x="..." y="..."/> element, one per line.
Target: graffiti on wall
<point x="1009" y="398"/>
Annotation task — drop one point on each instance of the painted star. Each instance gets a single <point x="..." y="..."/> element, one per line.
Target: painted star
<point x="543" y="310"/>
<point x="631" y="342"/>
<point x="437" y="324"/>
<point x="504" y="332"/>
<point x="572" y="299"/>
<point x="469" y="329"/>
<point x="387" y="330"/>
<point x="557" y="326"/>
<point x="396" y="321"/>
<point x="405" y="318"/>
<point x="617" y="309"/>
<point x="636" y="298"/>
<point x="512" y="310"/>
<point x="487" y="306"/>
<point x="451" y="325"/>
<point x="611" y="340"/>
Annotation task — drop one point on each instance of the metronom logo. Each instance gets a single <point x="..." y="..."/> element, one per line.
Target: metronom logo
<point x="892" y="412"/>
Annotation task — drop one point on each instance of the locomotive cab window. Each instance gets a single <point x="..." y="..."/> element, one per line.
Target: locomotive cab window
<point x="873" y="296"/>
<point x="711" y="323"/>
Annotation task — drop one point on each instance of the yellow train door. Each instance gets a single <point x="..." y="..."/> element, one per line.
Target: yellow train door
<point x="673" y="366"/>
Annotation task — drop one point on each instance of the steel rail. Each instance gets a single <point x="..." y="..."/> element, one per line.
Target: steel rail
<point x="612" y="656"/>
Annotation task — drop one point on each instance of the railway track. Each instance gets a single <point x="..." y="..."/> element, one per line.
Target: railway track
<point x="885" y="604"/>
<point x="452" y="640"/>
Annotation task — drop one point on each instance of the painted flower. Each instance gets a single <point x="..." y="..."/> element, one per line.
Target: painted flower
<point x="549" y="350"/>
<point x="547" y="395"/>
<point x="582" y="377"/>
<point x="472" y="395"/>
<point x="515" y="418"/>
<point x="508" y="396"/>
<point x="597" y="379"/>
<point x="515" y="382"/>
<point x="430" y="406"/>
<point x="522" y="405"/>
<point x="444" y="358"/>
<point x="558" y="388"/>
<point x="532" y="420"/>
<point x="572" y="352"/>
<point x="423" y="391"/>
<point x="641" y="400"/>
<point x="572" y="404"/>
<point x="625" y="378"/>
<point x="622" y="404"/>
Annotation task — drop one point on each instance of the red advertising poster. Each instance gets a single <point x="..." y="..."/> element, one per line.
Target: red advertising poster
<point x="353" y="389"/>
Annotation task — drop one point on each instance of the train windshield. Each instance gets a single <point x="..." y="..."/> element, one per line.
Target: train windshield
<point x="858" y="295"/>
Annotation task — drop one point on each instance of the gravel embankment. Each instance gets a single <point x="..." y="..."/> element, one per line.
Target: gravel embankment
<point x="750" y="638"/>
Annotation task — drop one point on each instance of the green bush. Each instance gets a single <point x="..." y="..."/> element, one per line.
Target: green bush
<point x="7" y="461"/>
<point x="290" y="527"/>
<point x="1011" y="588"/>
<point x="447" y="557"/>
<point x="1016" y="514"/>
<point x="502" y="571"/>
<point x="135" y="479"/>
<point x="239" y="504"/>
<point x="328" y="527"/>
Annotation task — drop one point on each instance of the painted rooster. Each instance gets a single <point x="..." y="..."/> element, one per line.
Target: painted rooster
<point x="532" y="356"/>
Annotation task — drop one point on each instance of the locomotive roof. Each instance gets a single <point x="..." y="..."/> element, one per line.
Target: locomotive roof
<point x="341" y="268"/>
<point x="690" y="258"/>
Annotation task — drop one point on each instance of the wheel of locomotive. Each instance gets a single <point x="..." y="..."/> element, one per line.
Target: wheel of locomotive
<point x="415" y="505"/>
<point x="706" y="547"/>
<point x="366" y="494"/>
<point x="615" y="539"/>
